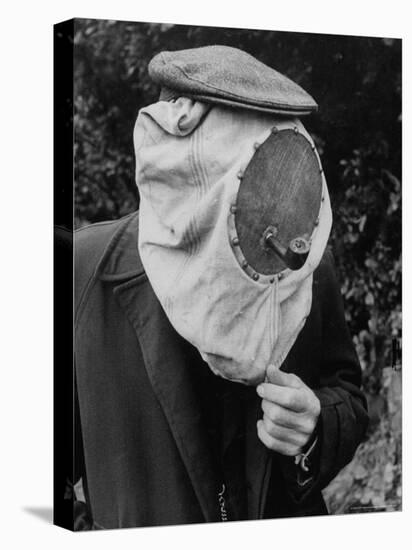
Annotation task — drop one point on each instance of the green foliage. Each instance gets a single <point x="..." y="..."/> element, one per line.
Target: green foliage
<point x="372" y="481"/>
<point x="357" y="83"/>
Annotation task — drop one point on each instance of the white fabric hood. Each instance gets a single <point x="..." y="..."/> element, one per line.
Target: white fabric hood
<point x="188" y="157"/>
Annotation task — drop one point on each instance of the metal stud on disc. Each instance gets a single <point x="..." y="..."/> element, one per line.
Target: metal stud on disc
<point x="280" y="188"/>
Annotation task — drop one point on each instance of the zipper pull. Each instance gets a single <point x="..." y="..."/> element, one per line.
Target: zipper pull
<point x="222" y="503"/>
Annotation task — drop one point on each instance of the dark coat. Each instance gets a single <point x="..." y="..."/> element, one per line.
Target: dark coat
<point x="146" y="458"/>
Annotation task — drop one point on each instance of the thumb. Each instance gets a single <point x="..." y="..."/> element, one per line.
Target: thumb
<point x="276" y="376"/>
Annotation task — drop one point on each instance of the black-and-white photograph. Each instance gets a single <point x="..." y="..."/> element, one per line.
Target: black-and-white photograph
<point x="237" y="273"/>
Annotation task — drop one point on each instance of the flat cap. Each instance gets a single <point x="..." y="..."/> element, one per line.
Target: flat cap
<point x="229" y="76"/>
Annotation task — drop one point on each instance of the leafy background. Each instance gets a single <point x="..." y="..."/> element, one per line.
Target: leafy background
<point x="357" y="84"/>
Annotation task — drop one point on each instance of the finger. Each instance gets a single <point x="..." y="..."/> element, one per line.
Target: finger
<point x="287" y="418"/>
<point x="286" y="435"/>
<point x="280" y="378"/>
<point x="290" y="398"/>
<point x="273" y="444"/>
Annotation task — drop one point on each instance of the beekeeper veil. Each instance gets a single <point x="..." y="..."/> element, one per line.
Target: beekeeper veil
<point x="234" y="212"/>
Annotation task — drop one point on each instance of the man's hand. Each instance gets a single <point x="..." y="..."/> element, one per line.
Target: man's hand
<point x="291" y="411"/>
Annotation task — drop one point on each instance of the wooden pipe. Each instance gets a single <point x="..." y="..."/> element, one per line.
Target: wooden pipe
<point x="294" y="256"/>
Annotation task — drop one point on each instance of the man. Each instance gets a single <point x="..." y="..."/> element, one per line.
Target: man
<point x="215" y="373"/>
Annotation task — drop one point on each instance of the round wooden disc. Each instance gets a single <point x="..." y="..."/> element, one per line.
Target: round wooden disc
<point x="281" y="188"/>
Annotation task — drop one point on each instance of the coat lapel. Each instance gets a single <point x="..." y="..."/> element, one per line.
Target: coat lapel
<point x="169" y="374"/>
<point x="166" y="364"/>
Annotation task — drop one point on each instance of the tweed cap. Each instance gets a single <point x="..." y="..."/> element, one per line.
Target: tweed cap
<point x="228" y="76"/>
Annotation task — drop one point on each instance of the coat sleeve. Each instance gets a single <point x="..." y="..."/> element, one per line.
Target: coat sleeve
<point x="343" y="420"/>
<point x="82" y="518"/>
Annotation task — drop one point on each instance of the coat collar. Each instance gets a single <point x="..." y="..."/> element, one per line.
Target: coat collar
<point x="169" y="368"/>
<point x="121" y="260"/>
